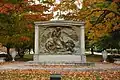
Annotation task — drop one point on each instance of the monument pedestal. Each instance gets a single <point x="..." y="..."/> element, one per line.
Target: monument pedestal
<point x="59" y="58"/>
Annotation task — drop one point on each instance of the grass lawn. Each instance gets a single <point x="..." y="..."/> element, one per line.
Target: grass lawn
<point x="27" y="57"/>
<point x="93" y="58"/>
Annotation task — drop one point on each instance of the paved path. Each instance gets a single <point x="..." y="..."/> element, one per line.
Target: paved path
<point x="26" y="65"/>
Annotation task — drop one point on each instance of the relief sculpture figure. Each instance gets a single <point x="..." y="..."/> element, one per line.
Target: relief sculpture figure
<point x="56" y="43"/>
<point x="57" y="39"/>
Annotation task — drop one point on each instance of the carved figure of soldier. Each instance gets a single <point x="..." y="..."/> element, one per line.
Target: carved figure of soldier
<point x="56" y="35"/>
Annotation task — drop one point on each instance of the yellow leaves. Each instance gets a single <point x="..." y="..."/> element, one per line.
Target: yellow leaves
<point x="97" y="14"/>
<point x="33" y="74"/>
<point x="96" y="32"/>
<point x="67" y="5"/>
<point x="116" y="27"/>
<point x="101" y="30"/>
<point x="90" y="2"/>
<point x="113" y="6"/>
<point x="88" y="25"/>
<point x="110" y="15"/>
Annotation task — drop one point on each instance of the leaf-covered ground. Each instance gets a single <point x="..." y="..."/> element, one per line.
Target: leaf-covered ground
<point x="38" y="74"/>
<point x="34" y="74"/>
<point x="7" y="63"/>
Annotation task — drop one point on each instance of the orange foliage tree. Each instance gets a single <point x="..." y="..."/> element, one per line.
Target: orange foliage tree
<point x="101" y="16"/>
<point x="16" y="21"/>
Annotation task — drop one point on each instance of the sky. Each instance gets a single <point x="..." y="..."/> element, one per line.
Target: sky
<point x="37" y="2"/>
<point x="77" y="2"/>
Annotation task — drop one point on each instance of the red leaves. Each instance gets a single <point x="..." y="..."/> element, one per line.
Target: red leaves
<point x="116" y="0"/>
<point x="56" y="7"/>
<point x="9" y="7"/>
<point x="38" y="17"/>
<point x="37" y="8"/>
<point x="24" y="38"/>
<point x="19" y="8"/>
<point x="25" y="1"/>
<point x="1" y="0"/>
<point x="38" y="74"/>
<point x="30" y="27"/>
<point x="6" y="8"/>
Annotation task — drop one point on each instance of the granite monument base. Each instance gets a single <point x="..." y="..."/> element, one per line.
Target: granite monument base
<point x="60" y="58"/>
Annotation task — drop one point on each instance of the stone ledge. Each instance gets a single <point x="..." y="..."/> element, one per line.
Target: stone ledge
<point x="59" y="58"/>
<point x="63" y="63"/>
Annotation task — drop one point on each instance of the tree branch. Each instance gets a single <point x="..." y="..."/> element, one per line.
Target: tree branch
<point x="104" y="11"/>
<point x="101" y="17"/>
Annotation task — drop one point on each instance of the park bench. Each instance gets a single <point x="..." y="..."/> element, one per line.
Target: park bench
<point x="2" y="57"/>
<point x="117" y="59"/>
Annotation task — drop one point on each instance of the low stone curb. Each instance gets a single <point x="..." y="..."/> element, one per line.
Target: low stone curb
<point x="27" y="66"/>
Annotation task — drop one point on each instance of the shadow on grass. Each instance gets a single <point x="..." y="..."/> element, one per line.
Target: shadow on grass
<point x="27" y="57"/>
<point x="93" y="58"/>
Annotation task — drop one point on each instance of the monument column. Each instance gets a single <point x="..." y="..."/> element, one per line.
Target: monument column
<point x="36" y="43"/>
<point x="82" y="43"/>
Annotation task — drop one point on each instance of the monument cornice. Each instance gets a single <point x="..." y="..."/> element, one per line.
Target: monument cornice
<point x="60" y="23"/>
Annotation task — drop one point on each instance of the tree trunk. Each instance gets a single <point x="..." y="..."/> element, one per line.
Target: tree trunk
<point x="8" y="51"/>
<point x="118" y="51"/>
<point x="18" y="49"/>
<point x="111" y="51"/>
<point x="21" y="53"/>
<point x="92" y="51"/>
<point x="9" y="58"/>
<point x="29" y="50"/>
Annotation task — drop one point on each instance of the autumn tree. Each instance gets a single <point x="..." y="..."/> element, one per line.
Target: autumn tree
<point x="16" y="22"/>
<point x="102" y="17"/>
<point x="102" y="23"/>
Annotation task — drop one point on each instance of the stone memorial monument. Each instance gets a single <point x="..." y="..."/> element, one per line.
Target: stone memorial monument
<point x="59" y="42"/>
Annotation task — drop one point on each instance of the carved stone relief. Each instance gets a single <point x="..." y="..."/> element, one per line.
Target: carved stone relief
<point x="59" y="40"/>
